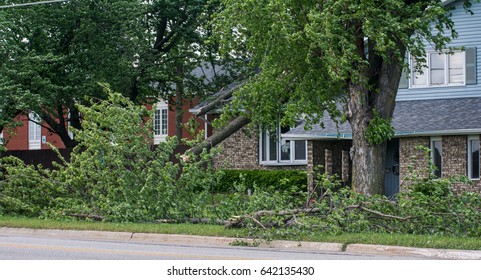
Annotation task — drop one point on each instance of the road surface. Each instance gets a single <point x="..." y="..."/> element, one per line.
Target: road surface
<point x="14" y="247"/>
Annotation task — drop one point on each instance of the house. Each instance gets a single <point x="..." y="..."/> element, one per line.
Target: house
<point x="29" y="134"/>
<point x="439" y="109"/>
<point x="33" y="134"/>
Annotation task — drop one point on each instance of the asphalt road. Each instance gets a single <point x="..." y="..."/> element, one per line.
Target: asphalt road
<point x="13" y="247"/>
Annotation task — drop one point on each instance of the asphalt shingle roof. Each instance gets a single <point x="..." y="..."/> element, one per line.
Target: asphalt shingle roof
<point x="419" y="117"/>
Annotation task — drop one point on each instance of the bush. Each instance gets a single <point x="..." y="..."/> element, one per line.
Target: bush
<point x="263" y="180"/>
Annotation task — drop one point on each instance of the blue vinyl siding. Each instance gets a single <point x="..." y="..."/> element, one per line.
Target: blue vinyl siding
<point x="469" y="35"/>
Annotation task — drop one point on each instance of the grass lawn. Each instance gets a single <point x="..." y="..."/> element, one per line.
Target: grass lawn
<point x="440" y="242"/>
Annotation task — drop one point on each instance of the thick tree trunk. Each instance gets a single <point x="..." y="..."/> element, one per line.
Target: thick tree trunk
<point x="368" y="161"/>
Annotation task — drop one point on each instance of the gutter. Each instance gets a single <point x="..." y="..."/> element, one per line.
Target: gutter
<point x="401" y="134"/>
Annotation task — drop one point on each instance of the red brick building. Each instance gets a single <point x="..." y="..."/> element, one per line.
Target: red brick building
<point x="33" y="134"/>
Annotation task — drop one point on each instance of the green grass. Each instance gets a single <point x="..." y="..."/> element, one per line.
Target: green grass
<point x="188" y="229"/>
<point x="439" y="242"/>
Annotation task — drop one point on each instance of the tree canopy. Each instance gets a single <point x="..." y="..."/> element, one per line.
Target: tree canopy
<point x="54" y="55"/>
<point x="316" y="55"/>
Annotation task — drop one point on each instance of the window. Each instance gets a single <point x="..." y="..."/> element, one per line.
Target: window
<point x="473" y="157"/>
<point x="436" y="155"/>
<point x="69" y="125"/>
<point x="443" y="69"/>
<point x="1" y="137"/>
<point x="276" y="150"/>
<point x="160" y="122"/>
<point x="34" y="132"/>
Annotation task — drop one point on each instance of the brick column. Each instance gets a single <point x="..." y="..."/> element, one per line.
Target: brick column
<point x="328" y="161"/>
<point x="345" y="174"/>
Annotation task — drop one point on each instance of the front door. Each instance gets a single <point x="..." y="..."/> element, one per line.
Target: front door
<point x="391" y="174"/>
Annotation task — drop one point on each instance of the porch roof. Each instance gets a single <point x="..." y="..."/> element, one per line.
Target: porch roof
<point x="459" y="116"/>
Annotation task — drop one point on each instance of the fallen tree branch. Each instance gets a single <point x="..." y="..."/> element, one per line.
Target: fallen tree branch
<point x="238" y="220"/>
<point x="223" y="95"/>
<point x="378" y="213"/>
<point x="256" y="221"/>
<point x="193" y="221"/>
<point x="236" y="124"/>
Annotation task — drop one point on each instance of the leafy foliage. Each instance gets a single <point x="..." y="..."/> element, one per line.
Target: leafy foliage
<point x="310" y="59"/>
<point x="427" y="206"/>
<point x="379" y="130"/>
<point x="281" y="180"/>
<point x="114" y="173"/>
<point x="52" y="56"/>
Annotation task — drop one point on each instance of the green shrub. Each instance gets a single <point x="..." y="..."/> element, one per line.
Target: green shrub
<point x="263" y="180"/>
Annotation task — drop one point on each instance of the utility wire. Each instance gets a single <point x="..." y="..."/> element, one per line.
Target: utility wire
<point x="31" y="3"/>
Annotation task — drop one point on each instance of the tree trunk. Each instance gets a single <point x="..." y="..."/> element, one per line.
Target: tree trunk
<point x="59" y="126"/>
<point x="368" y="161"/>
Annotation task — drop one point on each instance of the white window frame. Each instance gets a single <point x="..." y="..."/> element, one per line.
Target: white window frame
<point x="278" y="160"/>
<point x="34" y="132"/>
<point x="470" y="157"/>
<point x="427" y="72"/>
<point x="1" y="138"/>
<point x="69" y="125"/>
<point x="160" y="134"/>
<point x="431" y="146"/>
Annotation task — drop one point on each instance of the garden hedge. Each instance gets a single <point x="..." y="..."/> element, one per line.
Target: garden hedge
<point x="263" y="180"/>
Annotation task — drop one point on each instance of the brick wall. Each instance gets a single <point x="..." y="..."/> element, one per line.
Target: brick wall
<point x="18" y="136"/>
<point x="454" y="159"/>
<point x="241" y="151"/>
<point x="411" y="158"/>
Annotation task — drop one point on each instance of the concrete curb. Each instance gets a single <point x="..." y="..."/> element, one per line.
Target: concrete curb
<point x="228" y="241"/>
<point x="415" y="252"/>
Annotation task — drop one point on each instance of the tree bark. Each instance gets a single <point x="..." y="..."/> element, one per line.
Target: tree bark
<point x="368" y="161"/>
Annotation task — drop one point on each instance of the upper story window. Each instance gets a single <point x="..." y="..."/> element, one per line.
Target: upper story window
<point x="443" y="69"/>
<point x="457" y="68"/>
<point x="1" y="137"/>
<point x="473" y="157"/>
<point x="160" y="122"/>
<point x="275" y="150"/>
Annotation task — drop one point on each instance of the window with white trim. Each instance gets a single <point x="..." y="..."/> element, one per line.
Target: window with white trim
<point x="442" y="69"/>
<point x="473" y="157"/>
<point x="160" y="122"/>
<point x="34" y="132"/>
<point x="437" y="155"/>
<point x="275" y="150"/>
<point x="1" y="137"/>
<point x="69" y="125"/>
